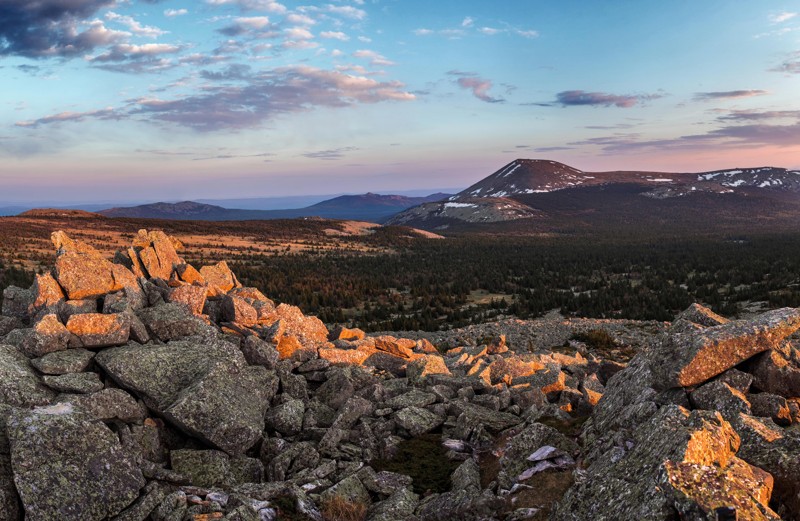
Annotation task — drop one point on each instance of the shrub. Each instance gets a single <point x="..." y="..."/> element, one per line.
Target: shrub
<point x="596" y="339"/>
<point x="338" y="508"/>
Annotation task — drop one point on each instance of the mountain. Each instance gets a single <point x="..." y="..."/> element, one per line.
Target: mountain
<point x="364" y="207"/>
<point x="548" y="194"/>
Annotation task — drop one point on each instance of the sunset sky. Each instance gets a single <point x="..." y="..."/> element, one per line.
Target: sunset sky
<point x="122" y="100"/>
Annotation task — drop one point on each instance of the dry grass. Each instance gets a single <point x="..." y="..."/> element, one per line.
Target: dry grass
<point x="338" y="508"/>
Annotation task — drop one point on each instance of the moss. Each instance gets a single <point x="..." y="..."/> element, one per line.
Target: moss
<point x="424" y="460"/>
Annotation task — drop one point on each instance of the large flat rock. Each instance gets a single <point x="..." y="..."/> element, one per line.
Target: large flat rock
<point x="68" y="466"/>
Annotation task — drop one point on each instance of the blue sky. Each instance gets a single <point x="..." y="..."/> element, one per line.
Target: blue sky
<point x="172" y="99"/>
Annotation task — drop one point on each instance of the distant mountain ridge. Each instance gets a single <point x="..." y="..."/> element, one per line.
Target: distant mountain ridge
<point x="366" y="207"/>
<point x="535" y="188"/>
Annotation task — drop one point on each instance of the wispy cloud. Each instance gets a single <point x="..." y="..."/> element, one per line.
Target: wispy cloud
<point x="373" y="57"/>
<point x="134" y="26"/>
<point x="334" y="35"/>
<point x="263" y="96"/>
<point x="790" y="65"/>
<point x="480" y="87"/>
<point x="171" y="13"/>
<point x="756" y="115"/>
<point x="330" y="155"/>
<point x="571" y="98"/>
<point x="782" y="17"/>
<point x="61" y="117"/>
<point x="728" y="94"/>
<point x="269" y="6"/>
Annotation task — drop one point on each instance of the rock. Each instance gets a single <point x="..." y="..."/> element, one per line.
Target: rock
<point x="691" y="358"/>
<point x="158" y="374"/>
<point x="515" y="454"/>
<point x="76" y="307"/>
<point x="17" y="302"/>
<point x="140" y="510"/>
<point x="9" y="501"/>
<point x="204" y="468"/>
<point x="474" y="416"/>
<point x="349" y="490"/>
<point x="309" y="331"/>
<point x="220" y="278"/>
<point x="664" y="455"/>
<point x="106" y="405"/>
<point x="47" y="336"/>
<point x="236" y="309"/>
<point x="19" y="385"/>
<point x="258" y="352"/>
<point x="400" y="505"/>
<point x="188" y="274"/>
<point x="701" y="315"/>
<point x="343" y="357"/>
<point x="62" y="362"/>
<point x="402" y="347"/>
<point x="82" y="383"/>
<point x="98" y="330"/>
<point x="418" y="370"/>
<point x="157" y="253"/>
<point x="778" y="372"/>
<point x="67" y="466"/>
<point x="84" y="276"/>
<point x="47" y="294"/>
<point x="771" y="406"/>
<point x="343" y="333"/>
<point x="738" y="380"/>
<point x="286" y="418"/>
<point x="418" y="421"/>
<point x="226" y="408"/>
<point x="8" y="324"/>
<point x="193" y="297"/>
<point x="719" y="396"/>
<point x="171" y="322"/>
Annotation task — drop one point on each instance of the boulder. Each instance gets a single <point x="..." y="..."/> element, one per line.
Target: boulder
<point x="258" y="352"/>
<point x="418" y="370"/>
<point x="204" y="468"/>
<point x="157" y="253"/>
<point x="106" y="405"/>
<point x="193" y="297"/>
<point x="219" y="277"/>
<point x="98" y="330"/>
<point x="61" y="362"/>
<point x="8" y="324"/>
<point x="702" y="316"/>
<point x="225" y="408"/>
<point x="771" y="406"/>
<point x="19" y="385"/>
<point x="17" y="302"/>
<point x="47" y="336"/>
<point x="171" y="322"/>
<point x="349" y="334"/>
<point x="47" y="294"/>
<point x="286" y="418"/>
<point x="665" y="455"/>
<point x="418" y="421"/>
<point x="693" y="357"/>
<point x="719" y="396"/>
<point x="82" y="383"/>
<point x="236" y="309"/>
<point x="68" y="466"/>
<point x="778" y="372"/>
<point x="83" y="276"/>
<point x="188" y="274"/>
<point x="402" y="347"/>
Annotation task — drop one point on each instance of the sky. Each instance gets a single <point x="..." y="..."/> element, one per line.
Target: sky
<point x="149" y="100"/>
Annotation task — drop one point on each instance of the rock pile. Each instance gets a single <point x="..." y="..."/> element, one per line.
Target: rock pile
<point x="143" y="388"/>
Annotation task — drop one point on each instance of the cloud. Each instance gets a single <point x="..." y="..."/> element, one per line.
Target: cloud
<point x="298" y="33"/>
<point x="570" y="98"/>
<point x="468" y="22"/>
<point x="754" y="115"/>
<point x="791" y="65"/>
<point x="53" y="28"/>
<point x="269" y="6"/>
<point x="107" y="113"/>
<point x="232" y="156"/>
<point x="256" y="26"/>
<point x="329" y="155"/>
<point x="235" y="71"/>
<point x="373" y="57"/>
<point x="782" y="17"/>
<point x="134" y="26"/>
<point x="479" y="86"/>
<point x="490" y="31"/>
<point x="170" y="13"/>
<point x="347" y="11"/>
<point x="334" y="35"/>
<point x="728" y="94"/>
<point x="527" y="33"/>
<point x="267" y="95"/>
<point x="300" y="19"/>
<point x="423" y="32"/>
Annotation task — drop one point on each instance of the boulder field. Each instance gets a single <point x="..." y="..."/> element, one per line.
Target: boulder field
<point x="143" y="388"/>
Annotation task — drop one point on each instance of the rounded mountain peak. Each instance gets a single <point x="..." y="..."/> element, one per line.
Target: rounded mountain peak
<point x="526" y="176"/>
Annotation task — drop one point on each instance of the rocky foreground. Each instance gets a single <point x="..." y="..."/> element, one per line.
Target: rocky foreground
<point x="144" y="388"/>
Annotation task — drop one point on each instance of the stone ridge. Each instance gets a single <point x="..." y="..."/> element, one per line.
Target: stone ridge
<point x="144" y="388"/>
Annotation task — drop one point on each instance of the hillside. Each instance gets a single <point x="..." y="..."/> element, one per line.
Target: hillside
<point x="549" y="196"/>
<point x="365" y="207"/>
